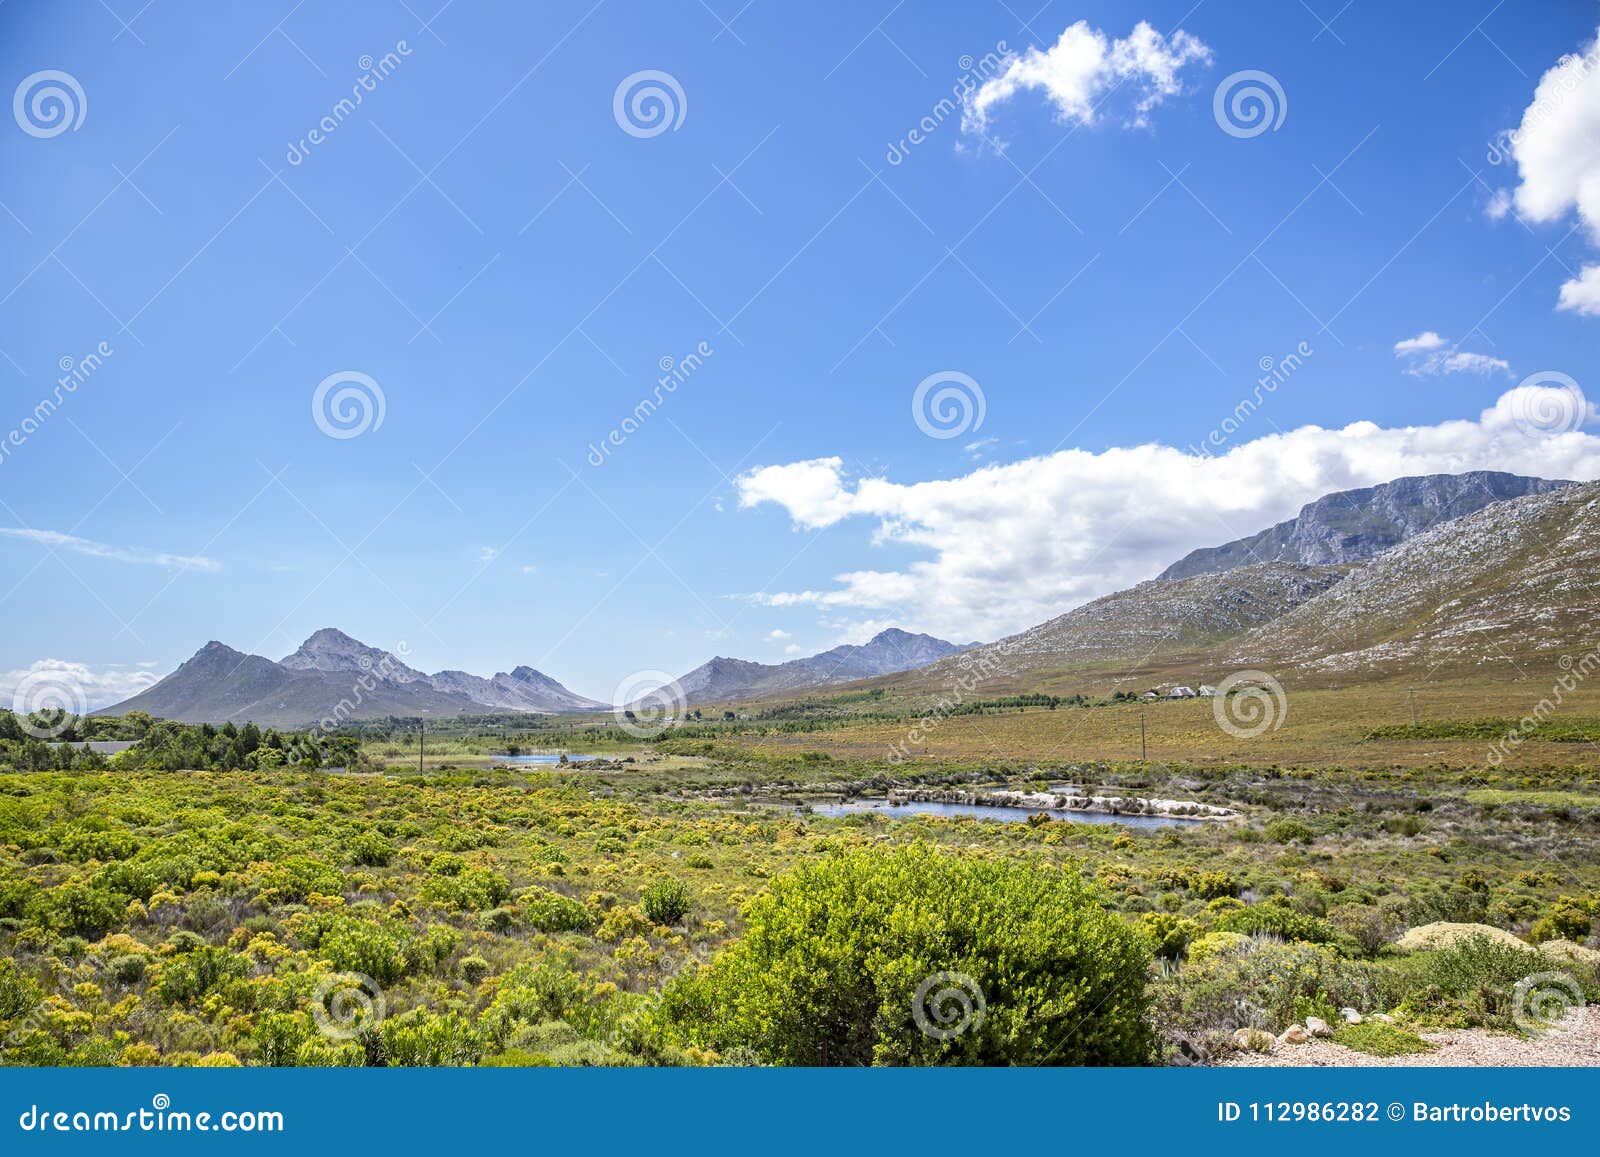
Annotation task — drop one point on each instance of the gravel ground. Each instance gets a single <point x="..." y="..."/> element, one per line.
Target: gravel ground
<point x="1576" y="1041"/>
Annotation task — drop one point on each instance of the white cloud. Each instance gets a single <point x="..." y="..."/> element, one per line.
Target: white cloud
<point x="1010" y="545"/>
<point x="487" y="554"/>
<point x="777" y="635"/>
<point x="58" y="682"/>
<point x="792" y="649"/>
<point x="1084" y="66"/>
<point x="1429" y="357"/>
<point x="1557" y="150"/>
<point x="1582" y="293"/>
<point x="58" y="541"/>
<point x="1424" y="341"/>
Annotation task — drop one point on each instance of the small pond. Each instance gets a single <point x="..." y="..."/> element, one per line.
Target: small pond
<point x="1010" y="815"/>
<point x="544" y="757"/>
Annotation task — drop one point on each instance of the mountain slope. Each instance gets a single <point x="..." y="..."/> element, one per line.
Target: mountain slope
<point x="1133" y="628"/>
<point x="1514" y="587"/>
<point x="1354" y="525"/>
<point x="723" y="679"/>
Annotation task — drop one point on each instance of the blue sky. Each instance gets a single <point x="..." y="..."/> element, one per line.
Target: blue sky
<point x="482" y="239"/>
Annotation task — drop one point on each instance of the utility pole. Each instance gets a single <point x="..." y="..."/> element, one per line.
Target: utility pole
<point x="1413" y="706"/>
<point x="1142" y="751"/>
<point x="421" y="736"/>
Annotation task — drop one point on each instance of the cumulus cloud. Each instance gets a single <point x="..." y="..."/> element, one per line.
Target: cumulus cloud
<point x="1083" y="67"/>
<point x="1582" y="293"/>
<point x="50" y="683"/>
<point x="1557" y="150"/>
<point x="1429" y="357"/>
<point x="1010" y="545"/>
<point x="1423" y="342"/>
<point x="58" y="541"/>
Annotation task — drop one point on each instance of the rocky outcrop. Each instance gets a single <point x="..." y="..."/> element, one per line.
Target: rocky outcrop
<point x="1066" y="801"/>
<point x="1354" y="525"/>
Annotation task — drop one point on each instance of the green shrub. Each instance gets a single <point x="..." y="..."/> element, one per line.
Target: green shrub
<point x="1257" y="983"/>
<point x="371" y="850"/>
<point x="1287" y="831"/>
<point x="185" y="979"/>
<point x="1377" y="1039"/>
<point x="666" y="901"/>
<point x="911" y="956"/>
<point x="19" y="994"/>
<point x="1472" y="982"/>
<point x="126" y="971"/>
<point x="470" y="890"/>
<point x="552" y="912"/>
<point x="1278" y="921"/>
<point x="474" y="969"/>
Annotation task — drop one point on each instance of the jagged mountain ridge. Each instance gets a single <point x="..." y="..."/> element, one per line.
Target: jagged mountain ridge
<point x="723" y="679"/>
<point x="331" y="669"/>
<point x="1354" y="525"/>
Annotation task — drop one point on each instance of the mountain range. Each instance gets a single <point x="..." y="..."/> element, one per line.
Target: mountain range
<point x="1452" y="571"/>
<point x="724" y="680"/>
<point x="1513" y="583"/>
<point x="330" y="668"/>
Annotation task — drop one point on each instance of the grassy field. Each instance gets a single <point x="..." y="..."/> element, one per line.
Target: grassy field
<point x="1358" y="727"/>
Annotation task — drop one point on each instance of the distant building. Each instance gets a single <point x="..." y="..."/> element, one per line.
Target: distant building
<point x="1207" y="691"/>
<point x="1181" y="692"/>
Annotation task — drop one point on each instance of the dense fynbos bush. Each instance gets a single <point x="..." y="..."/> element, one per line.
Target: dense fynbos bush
<point x="912" y="956"/>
